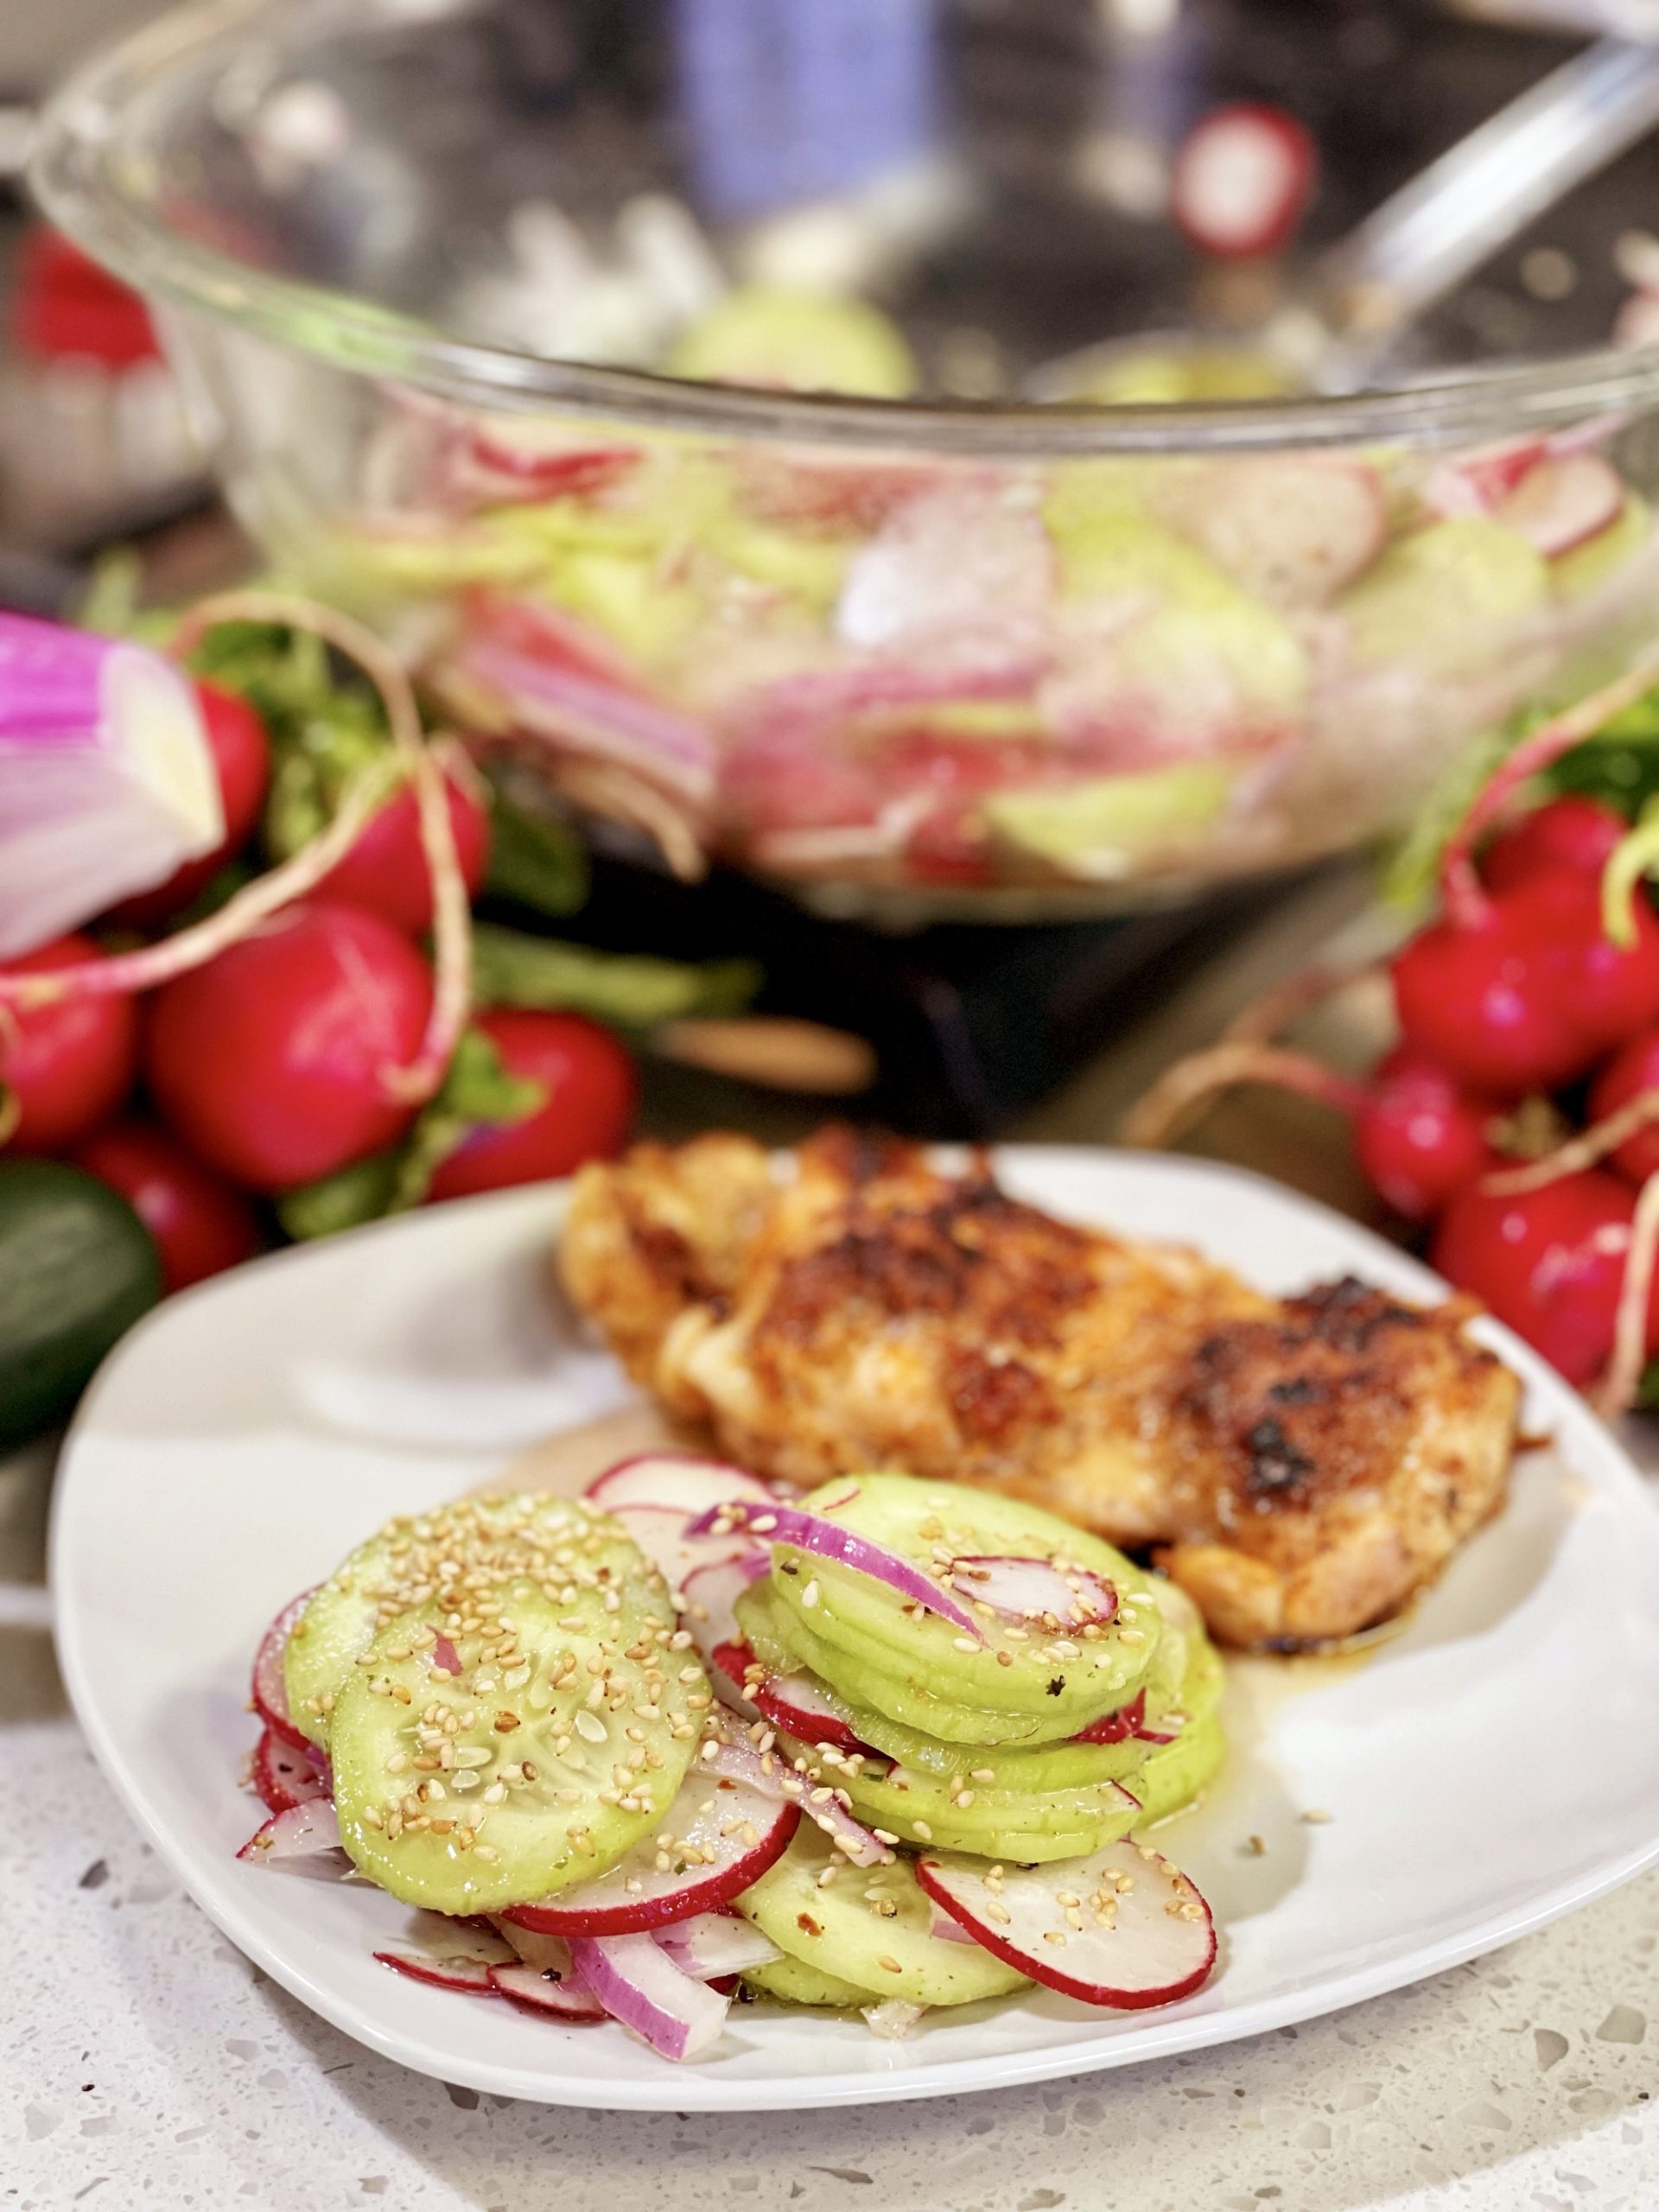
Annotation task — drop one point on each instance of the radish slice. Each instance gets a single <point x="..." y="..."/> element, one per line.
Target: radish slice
<point x="1035" y="1590"/>
<point x="682" y="1479"/>
<point x="768" y="1772"/>
<point x="1241" y="180"/>
<point x="566" y="2000"/>
<point x="640" y="1986"/>
<point x="711" y="1944"/>
<point x="547" y="1955"/>
<point x="811" y="1532"/>
<point x="659" y="1531"/>
<point x="709" y="1595"/>
<point x="893" y="2018"/>
<point x="1561" y="504"/>
<point x="473" y="1976"/>
<point x="726" y="1831"/>
<point x="286" y="1777"/>
<point x="1117" y="1727"/>
<point x="270" y="1685"/>
<point x="802" y="1707"/>
<point x="300" y="1832"/>
<point x="1479" y="483"/>
<point x="1146" y="1935"/>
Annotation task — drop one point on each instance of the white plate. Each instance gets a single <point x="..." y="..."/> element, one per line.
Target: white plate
<point x="1493" y="1766"/>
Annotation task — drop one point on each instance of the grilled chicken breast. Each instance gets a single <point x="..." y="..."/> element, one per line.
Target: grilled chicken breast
<point x="1299" y="1466"/>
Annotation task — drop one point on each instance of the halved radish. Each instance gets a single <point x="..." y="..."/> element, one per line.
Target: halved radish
<point x="301" y="1832"/>
<point x="1036" y="1590"/>
<point x="1241" y="180"/>
<point x="726" y="1833"/>
<point x="640" y="1986"/>
<point x="683" y="1480"/>
<point x="711" y="1945"/>
<point x="285" y="1776"/>
<point x="470" y="1975"/>
<point x="270" y="1688"/>
<point x="1138" y="1935"/>
<point x="1561" y="504"/>
<point x="802" y="1707"/>
<point x="569" y="1999"/>
<point x="812" y="1532"/>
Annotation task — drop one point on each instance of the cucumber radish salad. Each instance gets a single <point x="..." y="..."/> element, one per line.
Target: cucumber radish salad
<point x="884" y="667"/>
<point x="683" y="1742"/>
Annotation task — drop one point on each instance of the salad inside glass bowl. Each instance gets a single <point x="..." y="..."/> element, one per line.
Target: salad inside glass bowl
<point x="675" y="413"/>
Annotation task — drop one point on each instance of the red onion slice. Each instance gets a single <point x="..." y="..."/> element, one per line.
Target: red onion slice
<point x="300" y="1832"/>
<point x="568" y="1999"/>
<point x="640" y="1986"/>
<point x="711" y="1944"/>
<point x="269" y="1687"/>
<point x="811" y="1532"/>
<point x="893" y="2018"/>
<point x="772" y="1775"/>
<point x="1035" y="1590"/>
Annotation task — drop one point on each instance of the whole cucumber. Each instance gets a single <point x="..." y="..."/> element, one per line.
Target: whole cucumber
<point x="77" y="1268"/>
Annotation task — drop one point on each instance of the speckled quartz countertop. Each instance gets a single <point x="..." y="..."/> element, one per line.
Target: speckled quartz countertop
<point x="149" y="2064"/>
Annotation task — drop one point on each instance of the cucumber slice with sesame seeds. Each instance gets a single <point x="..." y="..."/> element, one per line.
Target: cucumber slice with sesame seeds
<point x="871" y="1926"/>
<point x="791" y="1981"/>
<point x="1042" y="1684"/>
<point x="446" y="1555"/>
<point x="561" y="1742"/>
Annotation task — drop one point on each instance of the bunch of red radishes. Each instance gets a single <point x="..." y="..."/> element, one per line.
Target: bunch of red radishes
<point x="277" y="1061"/>
<point x="1517" y="1119"/>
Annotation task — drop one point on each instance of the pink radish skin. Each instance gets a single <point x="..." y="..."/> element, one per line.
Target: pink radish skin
<point x="1160" y="1947"/>
<point x="285" y="1776"/>
<point x="470" y="1976"/>
<point x="811" y="1532"/>
<point x="569" y="2000"/>
<point x="270" y="1688"/>
<point x="302" y="1831"/>
<point x="1479" y="483"/>
<point x="635" y="1895"/>
<point x="1562" y="504"/>
<point x="766" y="1773"/>
<point x="1241" y="180"/>
<point x="640" y="1986"/>
<point x="799" y="1706"/>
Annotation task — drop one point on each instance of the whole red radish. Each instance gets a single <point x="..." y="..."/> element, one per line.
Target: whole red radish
<point x="1529" y="991"/>
<point x="386" y="870"/>
<point x="201" y="1225"/>
<point x="241" y="754"/>
<point x="1420" y="1136"/>
<point x="592" y="1091"/>
<point x="1574" y="832"/>
<point x="1548" y="1261"/>
<point x="271" y="1061"/>
<point x="1633" y="1070"/>
<point x="64" y="1067"/>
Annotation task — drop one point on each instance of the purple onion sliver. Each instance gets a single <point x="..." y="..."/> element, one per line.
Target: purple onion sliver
<point x="811" y="1532"/>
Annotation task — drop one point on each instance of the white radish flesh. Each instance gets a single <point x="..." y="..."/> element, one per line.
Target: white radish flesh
<point x="1561" y="503"/>
<point x="566" y="2000"/>
<point x="659" y="1531"/>
<point x="1035" y="1590"/>
<point x="678" y="1479"/>
<point x="469" y="1975"/>
<point x="286" y="1777"/>
<point x="301" y="1832"/>
<point x="767" y="1772"/>
<point x="1138" y="1935"/>
<point x="1292" y="531"/>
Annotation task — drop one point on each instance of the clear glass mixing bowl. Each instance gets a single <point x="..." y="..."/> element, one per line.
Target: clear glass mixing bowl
<point x="951" y="652"/>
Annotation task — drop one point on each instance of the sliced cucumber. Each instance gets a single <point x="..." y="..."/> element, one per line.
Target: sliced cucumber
<point x="562" y="1742"/>
<point x="444" y="1556"/>
<point x="995" y="1823"/>
<point x="793" y="1982"/>
<point x="1176" y="1772"/>
<point x="874" y="1923"/>
<point x="1040" y="1685"/>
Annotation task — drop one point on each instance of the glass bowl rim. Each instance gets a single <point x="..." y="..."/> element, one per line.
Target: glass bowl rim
<point x="75" y="170"/>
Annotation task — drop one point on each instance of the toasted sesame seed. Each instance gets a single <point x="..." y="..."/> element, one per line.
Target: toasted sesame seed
<point x="1316" y="1816"/>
